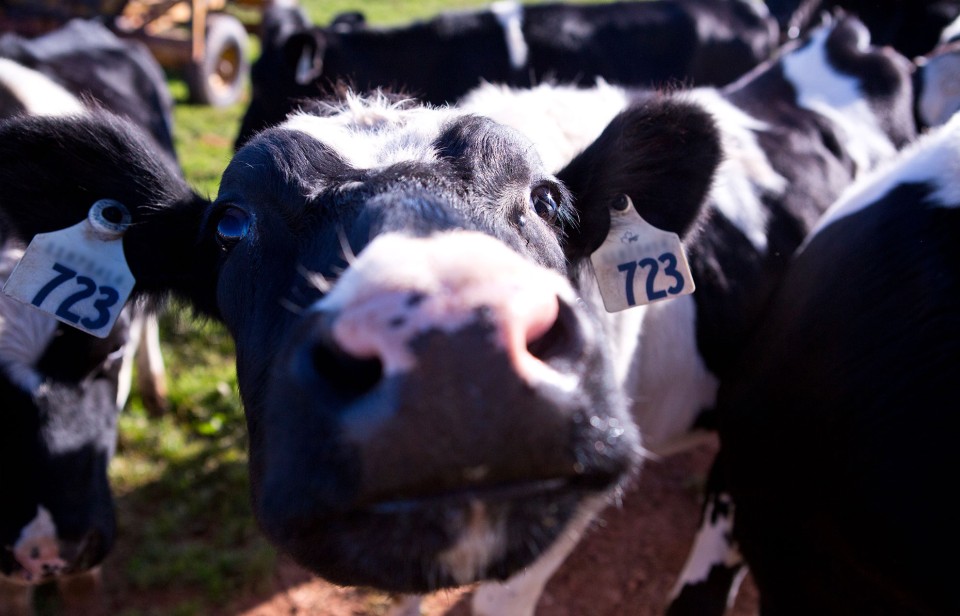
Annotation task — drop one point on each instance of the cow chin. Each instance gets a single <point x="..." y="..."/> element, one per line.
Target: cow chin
<point x="420" y="545"/>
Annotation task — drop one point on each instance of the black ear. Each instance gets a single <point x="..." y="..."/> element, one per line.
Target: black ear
<point x="303" y="55"/>
<point x="662" y="152"/>
<point x="53" y="169"/>
<point x="349" y="21"/>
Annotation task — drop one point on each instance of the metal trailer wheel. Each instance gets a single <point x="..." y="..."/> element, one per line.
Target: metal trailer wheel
<point x="218" y="78"/>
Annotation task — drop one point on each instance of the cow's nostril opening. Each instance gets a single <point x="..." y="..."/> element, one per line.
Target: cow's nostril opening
<point x="344" y="373"/>
<point x="558" y="341"/>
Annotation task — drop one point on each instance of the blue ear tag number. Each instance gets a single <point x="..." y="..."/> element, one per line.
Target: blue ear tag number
<point x="639" y="264"/>
<point x="79" y="274"/>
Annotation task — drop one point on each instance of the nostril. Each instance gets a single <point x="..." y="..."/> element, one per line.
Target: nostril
<point x="345" y="374"/>
<point x="560" y="340"/>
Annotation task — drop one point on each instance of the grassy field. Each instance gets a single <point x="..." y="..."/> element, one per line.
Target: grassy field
<point x="180" y="480"/>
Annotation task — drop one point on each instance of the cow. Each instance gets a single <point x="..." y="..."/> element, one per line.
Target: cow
<point x="428" y="401"/>
<point x="912" y="28"/>
<point x="441" y="59"/>
<point x="87" y="60"/>
<point x="433" y="393"/>
<point x="836" y="429"/>
<point x="937" y="85"/>
<point x="796" y="132"/>
<point x="62" y="389"/>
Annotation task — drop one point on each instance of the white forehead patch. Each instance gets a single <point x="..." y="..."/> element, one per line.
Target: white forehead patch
<point x="25" y="332"/>
<point x="36" y="92"/>
<point x="745" y="173"/>
<point x="820" y="88"/>
<point x="374" y="134"/>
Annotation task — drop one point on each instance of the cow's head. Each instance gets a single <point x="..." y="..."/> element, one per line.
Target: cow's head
<point x="429" y="400"/>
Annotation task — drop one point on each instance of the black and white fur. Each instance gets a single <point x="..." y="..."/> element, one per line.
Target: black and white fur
<point x="836" y="440"/>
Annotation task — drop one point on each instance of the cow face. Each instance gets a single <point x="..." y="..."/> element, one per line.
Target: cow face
<point x="435" y="384"/>
<point x="429" y="400"/>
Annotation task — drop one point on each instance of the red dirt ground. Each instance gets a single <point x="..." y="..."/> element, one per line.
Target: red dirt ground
<point x="626" y="565"/>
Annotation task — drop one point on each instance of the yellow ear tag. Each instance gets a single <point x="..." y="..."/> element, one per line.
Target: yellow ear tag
<point x="638" y="263"/>
<point x="79" y="274"/>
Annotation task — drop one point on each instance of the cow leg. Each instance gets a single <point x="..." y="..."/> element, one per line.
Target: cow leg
<point x="144" y="350"/>
<point x="15" y="599"/>
<point x="82" y="594"/>
<point x="151" y="375"/>
<point x="518" y="596"/>
<point x="710" y="578"/>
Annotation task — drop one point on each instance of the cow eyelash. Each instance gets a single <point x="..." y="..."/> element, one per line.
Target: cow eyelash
<point x="545" y="201"/>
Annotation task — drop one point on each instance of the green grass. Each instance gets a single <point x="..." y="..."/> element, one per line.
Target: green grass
<point x="187" y="533"/>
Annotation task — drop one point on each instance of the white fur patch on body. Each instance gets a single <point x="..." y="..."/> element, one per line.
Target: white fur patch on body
<point x="38" y="94"/>
<point x="561" y="120"/>
<point x="510" y="15"/>
<point x="25" y="333"/>
<point x="665" y="355"/>
<point x="713" y="546"/>
<point x="820" y="88"/>
<point x="654" y="347"/>
<point x="933" y="159"/>
<point x="745" y="174"/>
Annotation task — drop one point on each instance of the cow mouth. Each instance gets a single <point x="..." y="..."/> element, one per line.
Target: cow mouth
<point x="512" y="492"/>
<point x="426" y="543"/>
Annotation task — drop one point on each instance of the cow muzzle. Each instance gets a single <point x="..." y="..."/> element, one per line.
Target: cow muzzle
<point x="438" y="417"/>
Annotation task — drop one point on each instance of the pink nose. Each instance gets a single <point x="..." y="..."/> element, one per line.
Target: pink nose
<point x="446" y="283"/>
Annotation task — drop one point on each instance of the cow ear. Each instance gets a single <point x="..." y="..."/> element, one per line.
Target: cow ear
<point x="53" y="169"/>
<point x="662" y="152"/>
<point x="303" y="55"/>
<point x="349" y="21"/>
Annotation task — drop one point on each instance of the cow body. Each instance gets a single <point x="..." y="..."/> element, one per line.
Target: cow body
<point x="440" y="60"/>
<point x="96" y="66"/>
<point x="795" y="134"/>
<point x="62" y="389"/>
<point x="835" y="429"/>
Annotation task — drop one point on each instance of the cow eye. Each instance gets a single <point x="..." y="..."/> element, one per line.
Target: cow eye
<point x="544" y="203"/>
<point x="233" y="225"/>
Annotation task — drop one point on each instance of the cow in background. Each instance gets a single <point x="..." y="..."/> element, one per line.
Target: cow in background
<point x="912" y="28"/>
<point x="89" y="61"/>
<point x="61" y="390"/>
<point x="837" y="428"/>
<point x="796" y="132"/>
<point x="441" y="59"/>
